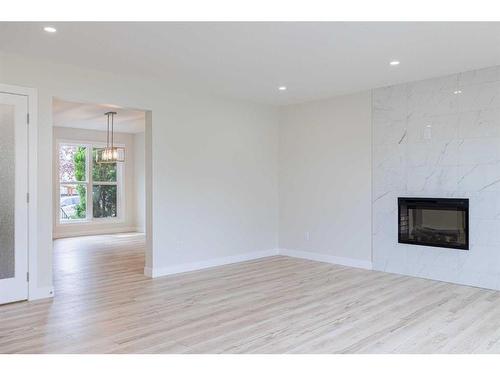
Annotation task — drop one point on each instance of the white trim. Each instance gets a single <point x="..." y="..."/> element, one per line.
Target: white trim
<point x="92" y="232"/>
<point x="349" y="262"/>
<point x="41" y="293"/>
<point x="33" y="191"/>
<point x="32" y="95"/>
<point x="148" y="271"/>
<point x="194" y="266"/>
<point x="318" y="257"/>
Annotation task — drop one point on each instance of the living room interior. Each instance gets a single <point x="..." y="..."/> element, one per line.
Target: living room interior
<point x="285" y="187"/>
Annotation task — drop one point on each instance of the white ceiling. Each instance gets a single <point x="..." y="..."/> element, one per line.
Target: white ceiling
<point x="91" y="116"/>
<point x="250" y="60"/>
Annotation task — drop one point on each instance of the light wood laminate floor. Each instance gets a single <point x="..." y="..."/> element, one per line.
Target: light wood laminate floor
<point x="104" y="304"/>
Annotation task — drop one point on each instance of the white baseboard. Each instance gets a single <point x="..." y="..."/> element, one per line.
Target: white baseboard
<point x="349" y="262"/>
<point x="148" y="271"/>
<point x="41" y="293"/>
<point x="93" y="232"/>
<point x="194" y="266"/>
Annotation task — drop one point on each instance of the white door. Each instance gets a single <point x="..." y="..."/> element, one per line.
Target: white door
<point x="13" y="197"/>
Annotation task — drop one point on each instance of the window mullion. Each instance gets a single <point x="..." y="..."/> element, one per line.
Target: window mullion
<point x="90" y="164"/>
<point x="73" y="182"/>
<point x="109" y="183"/>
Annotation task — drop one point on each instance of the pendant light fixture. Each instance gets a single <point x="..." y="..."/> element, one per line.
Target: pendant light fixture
<point x="110" y="154"/>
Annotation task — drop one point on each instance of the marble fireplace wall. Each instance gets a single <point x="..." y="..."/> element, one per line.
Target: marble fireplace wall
<point x="439" y="138"/>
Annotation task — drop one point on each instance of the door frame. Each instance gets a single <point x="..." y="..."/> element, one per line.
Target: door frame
<point x="32" y="96"/>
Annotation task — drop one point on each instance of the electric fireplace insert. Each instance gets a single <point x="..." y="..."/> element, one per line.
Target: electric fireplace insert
<point x="441" y="222"/>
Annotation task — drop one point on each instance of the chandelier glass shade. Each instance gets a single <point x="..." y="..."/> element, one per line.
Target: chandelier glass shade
<point x="110" y="153"/>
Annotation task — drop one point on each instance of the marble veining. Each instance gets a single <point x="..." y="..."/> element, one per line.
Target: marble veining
<point x="429" y="141"/>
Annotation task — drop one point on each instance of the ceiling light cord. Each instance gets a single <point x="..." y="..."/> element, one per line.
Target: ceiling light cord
<point x="107" y="132"/>
<point x="112" y="129"/>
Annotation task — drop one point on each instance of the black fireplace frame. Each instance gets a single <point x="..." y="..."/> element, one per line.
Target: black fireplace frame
<point x="444" y="203"/>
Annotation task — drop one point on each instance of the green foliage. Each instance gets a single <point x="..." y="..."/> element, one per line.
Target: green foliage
<point x="102" y="172"/>
<point x="80" y="164"/>
<point x="79" y="160"/>
<point x="103" y="196"/>
<point x="104" y="201"/>
<point x="81" y="208"/>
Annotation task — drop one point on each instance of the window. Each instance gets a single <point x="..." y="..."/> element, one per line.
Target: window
<point x="83" y="180"/>
<point x="73" y="182"/>
<point x="104" y="188"/>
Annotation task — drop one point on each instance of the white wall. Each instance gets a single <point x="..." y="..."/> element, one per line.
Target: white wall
<point x="214" y="163"/>
<point x="218" y="169"/>
<point x="325" y="179"/>
<point x="140" y="181"/>
<point x="127" y="222"/>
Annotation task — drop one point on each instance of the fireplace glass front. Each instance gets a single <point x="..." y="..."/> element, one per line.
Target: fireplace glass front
<point x="442" y="222"/>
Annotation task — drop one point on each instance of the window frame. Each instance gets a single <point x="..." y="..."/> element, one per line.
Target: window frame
<point x="120" y="186"/>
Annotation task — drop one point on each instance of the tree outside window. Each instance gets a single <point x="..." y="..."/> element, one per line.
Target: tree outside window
<point x="104" y="189"/>
<point x="73" y="182"/>
<point x="78" y="173"/>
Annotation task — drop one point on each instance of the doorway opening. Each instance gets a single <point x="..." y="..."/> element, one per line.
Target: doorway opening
<point x="100" y="216"/>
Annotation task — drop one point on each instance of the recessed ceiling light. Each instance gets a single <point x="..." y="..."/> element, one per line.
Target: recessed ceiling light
<point x="282" y="88"/>
<point x="456" y="92"/>
<point x="394" y="63"/>
<point x="49" y="29"/>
